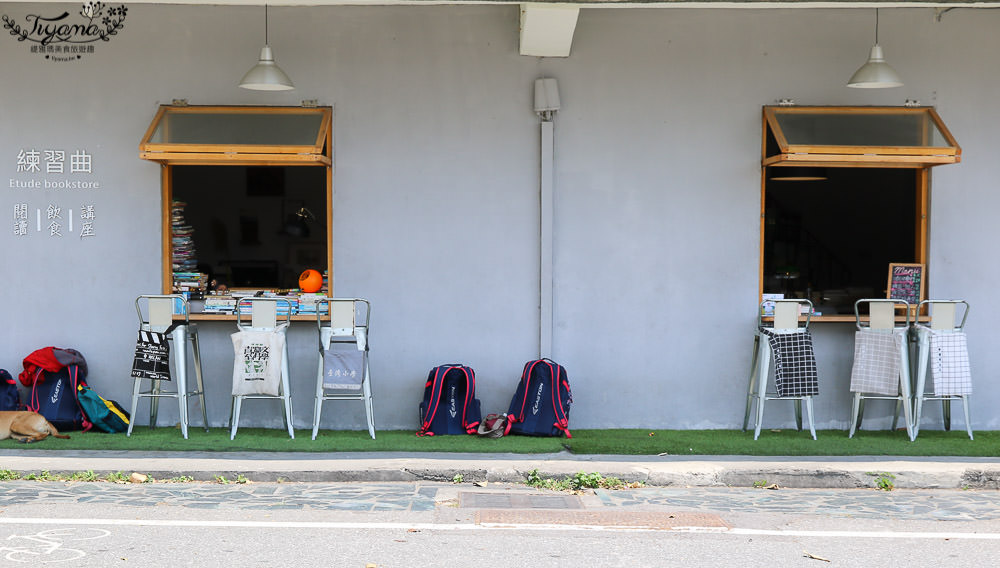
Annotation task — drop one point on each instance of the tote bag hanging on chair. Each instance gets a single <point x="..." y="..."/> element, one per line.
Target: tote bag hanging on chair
<point x="257" y="368"/>
<point x="343" y="367"/>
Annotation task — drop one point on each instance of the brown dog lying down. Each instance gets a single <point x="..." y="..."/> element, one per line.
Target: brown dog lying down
<point x="26" y="426"/>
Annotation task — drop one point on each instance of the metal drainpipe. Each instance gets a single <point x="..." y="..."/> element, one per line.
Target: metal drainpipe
<point x="546" y="191"/>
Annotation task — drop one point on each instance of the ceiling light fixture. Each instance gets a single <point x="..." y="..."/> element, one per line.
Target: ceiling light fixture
<point x="875" y="73"/>
<point x="266" y="75"/>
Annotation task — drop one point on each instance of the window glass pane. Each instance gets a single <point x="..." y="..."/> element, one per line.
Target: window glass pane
<point x="250" y="226"/>
<point x="832" y="241"/>
<point x="230" y="128"/>
<point x="862" y="129"/>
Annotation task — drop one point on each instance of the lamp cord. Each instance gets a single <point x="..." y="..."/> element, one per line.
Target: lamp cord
<point x="266" y="42"/>
<point x="876" y="26"/>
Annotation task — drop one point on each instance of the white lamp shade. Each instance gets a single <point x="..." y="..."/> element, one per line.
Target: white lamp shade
<point x="266" y="75"/>
<point x="875" y="73"/>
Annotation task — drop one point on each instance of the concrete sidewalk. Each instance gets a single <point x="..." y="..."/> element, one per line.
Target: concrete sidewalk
<point x="692" y="471"/>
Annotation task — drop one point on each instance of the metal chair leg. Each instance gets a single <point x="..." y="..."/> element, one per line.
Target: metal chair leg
<point x="154" y="404"/>
<point x="751" y="381"/>
<point x="318" y="404"/>
<point x="136" y="386"/>
<point x="196" y="349"/>
<point x="855" y="414"/>
<point x="965" y="407"/>
<point x="798" y="414"/>
<point x="180" y="345"/>
<point x="946" y="414"/>
<point x="369" y="403"/>
<point x="761" y="390"/>
<point x="809" y="410"/>
<point x="918" y="410"/>
<point x="235" y="420"/>
<point x="286" y="392"/>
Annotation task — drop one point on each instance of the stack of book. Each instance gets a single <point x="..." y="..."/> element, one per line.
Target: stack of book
<point x="193" y="284"/>
<point x="282" y="308"/>
<point x="298" y="303"/>
<point x="220" y="305"/>
<point x="184" y="258"/>
<point x="308" y="303"/>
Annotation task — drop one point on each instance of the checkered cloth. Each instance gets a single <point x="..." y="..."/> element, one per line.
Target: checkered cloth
<point x="876" y="361"/>
<point x="794" y="363"/>
<point x="949" y="361"/>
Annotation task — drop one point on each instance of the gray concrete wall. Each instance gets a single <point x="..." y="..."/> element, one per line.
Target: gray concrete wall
<point x="657" y="151"/>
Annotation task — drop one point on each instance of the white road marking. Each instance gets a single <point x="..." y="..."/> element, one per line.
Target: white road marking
<point x="494" y="526"/>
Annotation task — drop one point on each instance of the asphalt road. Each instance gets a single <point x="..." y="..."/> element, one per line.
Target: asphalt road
<point x="428" y="524"/>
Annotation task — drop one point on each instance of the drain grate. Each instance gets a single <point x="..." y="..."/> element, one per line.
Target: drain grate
<point x="629" y="519"/>
<point x="471" y="500"/>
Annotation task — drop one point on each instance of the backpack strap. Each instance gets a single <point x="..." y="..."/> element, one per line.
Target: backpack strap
<point x="526" y="380"/>
<point x="437" y="385"/>
<point x="33" y="402"/>
<point x="470" y="393"/>
<point x="562" y="422"/>
<point x="74" y="373"/>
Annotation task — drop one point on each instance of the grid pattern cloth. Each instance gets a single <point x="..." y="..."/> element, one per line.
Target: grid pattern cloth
<point x="794" y="363"/>
<point x="949" y="361"/>
<point x="876" y="361"/>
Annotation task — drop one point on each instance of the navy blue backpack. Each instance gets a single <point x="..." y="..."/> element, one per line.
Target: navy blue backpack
<point x="53" y="395"/>
<point x="450" y="405"/>
<point x="10" y="397"/>
<point x="540" y="406"/>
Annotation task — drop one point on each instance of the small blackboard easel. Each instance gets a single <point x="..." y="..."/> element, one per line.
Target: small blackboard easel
<point x="906" y="282"/>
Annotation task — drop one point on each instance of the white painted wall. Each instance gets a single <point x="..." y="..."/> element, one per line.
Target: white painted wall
<point x="657" y="151"/>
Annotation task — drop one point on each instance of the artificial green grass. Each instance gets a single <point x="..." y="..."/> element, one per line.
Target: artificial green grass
<point x="271" y="440"/>
<point x="784" y="443"/>
<point x="616" y="442"/>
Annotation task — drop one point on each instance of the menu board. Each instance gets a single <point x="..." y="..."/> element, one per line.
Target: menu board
<point x="906" y="282"/>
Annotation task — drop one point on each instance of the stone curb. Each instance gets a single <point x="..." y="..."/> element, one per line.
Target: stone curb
<point x="697" y="471"/>
<point x="723" y="477"/>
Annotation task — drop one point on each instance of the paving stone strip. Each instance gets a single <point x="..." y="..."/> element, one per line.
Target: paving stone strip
<point x="945" y="505"/>
<point x="323" y="496"/>
<point x="950" y="505"/>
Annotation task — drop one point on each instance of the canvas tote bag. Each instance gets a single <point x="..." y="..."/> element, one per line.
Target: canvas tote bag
<point x="257" y="366"/>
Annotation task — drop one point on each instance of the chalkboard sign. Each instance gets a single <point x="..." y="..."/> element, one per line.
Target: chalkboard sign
<point x="906" y="282"/>
<point x="152" y="356"/>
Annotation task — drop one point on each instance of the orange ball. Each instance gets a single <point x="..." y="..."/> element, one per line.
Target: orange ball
<point x="311" y="281"/>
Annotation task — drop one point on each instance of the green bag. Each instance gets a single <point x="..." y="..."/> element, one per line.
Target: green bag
<point x="106" y="415"/>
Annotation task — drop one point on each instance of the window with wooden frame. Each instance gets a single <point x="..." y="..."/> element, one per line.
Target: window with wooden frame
<point x="246" y="192"/>
<point x="845" y="192"/>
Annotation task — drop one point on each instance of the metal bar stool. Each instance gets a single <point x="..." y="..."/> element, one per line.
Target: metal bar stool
<point x="156" y="313"/>
<point x="264" y="318"/>
<point x="943" y="347"/>
<point x="346" y="327"/>
<point x="786" y="331"/>
<point x="881" y="368"/>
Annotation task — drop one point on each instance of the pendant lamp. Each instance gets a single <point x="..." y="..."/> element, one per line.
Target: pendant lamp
<point x="266" y="75"/>
<point x="875" y="73"/>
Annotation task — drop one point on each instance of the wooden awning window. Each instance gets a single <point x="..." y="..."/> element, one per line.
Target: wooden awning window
<point x="857" y="137"/>
<point x="218" y="135"/>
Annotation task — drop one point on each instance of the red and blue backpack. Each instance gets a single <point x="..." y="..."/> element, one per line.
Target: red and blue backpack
<point x="53" y="374"/>
<point x="540" y="406"/>
<point x="450" y="405"/>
